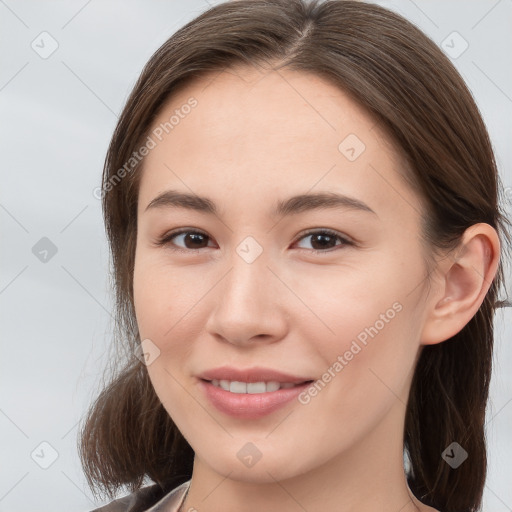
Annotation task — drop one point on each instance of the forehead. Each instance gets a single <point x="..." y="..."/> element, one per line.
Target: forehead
<point x="265" y="132"/>
<point x="265" y="107"/>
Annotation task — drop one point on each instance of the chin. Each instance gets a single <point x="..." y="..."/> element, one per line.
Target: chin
<point x="269" y="467"/>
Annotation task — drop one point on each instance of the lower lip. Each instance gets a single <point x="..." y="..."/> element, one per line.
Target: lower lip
<point x="248" y="405"/>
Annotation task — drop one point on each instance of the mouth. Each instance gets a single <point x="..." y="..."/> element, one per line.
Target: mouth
<point x="251" y="388"/>
<point x="250" y="400"/>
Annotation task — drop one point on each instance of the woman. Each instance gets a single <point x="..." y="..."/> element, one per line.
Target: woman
<point x="301" y="201"/>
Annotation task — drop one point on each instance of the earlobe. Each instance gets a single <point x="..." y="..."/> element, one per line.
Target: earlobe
<point x="463" y="279"/>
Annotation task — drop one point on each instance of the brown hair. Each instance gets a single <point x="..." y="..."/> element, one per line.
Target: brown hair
<point x="407" y="84"/>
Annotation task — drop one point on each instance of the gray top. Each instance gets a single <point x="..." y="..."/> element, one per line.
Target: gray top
<point x="149" y="499"/>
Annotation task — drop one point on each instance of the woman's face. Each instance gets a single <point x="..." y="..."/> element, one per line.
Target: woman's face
<point x="240" y="286"/>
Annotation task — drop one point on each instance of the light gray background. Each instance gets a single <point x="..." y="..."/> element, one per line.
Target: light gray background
<point x="57" y="116"/>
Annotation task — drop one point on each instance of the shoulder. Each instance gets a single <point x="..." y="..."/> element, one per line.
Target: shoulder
<point x="137" y="501"/>
<point x="146" y="498"/>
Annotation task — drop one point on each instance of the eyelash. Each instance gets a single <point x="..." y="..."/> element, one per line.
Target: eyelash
<point x="166" y="239"/>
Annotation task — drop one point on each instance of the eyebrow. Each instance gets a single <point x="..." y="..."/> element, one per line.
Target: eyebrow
<point x="293" y="205"/>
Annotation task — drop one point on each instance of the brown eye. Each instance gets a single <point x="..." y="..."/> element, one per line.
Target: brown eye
<point x="185" y="241"/>
<point x="325" y="240"/>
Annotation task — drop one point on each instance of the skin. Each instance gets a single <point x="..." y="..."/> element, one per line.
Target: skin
<point x="256" y="137"/>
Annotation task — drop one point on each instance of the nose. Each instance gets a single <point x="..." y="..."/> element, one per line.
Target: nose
<point x="249" y="305"/>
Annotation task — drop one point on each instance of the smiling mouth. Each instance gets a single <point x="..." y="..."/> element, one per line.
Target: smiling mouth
<point x="238" y="387"/>
<point x="251" y="400"/>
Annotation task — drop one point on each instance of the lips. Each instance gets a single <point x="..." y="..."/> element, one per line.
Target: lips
<point x="250" y="393"/>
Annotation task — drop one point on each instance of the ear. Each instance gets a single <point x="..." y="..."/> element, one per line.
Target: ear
<point x="461" y="284"/>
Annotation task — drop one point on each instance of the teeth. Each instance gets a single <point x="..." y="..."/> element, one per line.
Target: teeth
<point x="238" y="387"/>
<point x="253" y="387"/>
<point x="235" y="386"/>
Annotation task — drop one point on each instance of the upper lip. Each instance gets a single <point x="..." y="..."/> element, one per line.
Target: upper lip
<point x="255" y="374"/>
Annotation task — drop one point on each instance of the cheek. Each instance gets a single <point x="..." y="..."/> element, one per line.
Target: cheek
<point x="372" y="360"/>
<point x="348" y="304"/>
<point x="161" y="315"/>
<point x="369" y="323"/>
<point x="167" y="308"/>
<point x="161" y="297"/>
